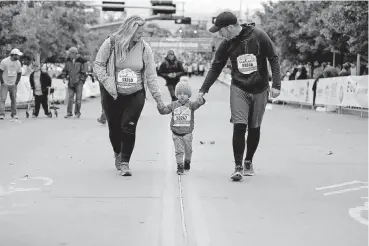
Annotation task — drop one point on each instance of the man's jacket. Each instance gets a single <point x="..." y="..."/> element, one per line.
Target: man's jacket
<point x="168" y="67"/>
<point x="75" y="73"/>
<point x="248" y="53"/>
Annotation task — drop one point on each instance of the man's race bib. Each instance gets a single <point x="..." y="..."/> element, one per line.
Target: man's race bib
<point x="126" y="78"/>
<point x="247" y="63"/>
<point x="182" y="116"/>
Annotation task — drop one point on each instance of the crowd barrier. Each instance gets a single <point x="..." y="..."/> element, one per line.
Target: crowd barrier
<point x="348" y="91"/>
<point x="24" y="95"/>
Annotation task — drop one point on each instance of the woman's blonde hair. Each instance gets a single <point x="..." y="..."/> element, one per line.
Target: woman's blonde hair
<point x="124" y="35"/>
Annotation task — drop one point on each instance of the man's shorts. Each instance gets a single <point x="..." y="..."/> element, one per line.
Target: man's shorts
<point x="247" y="108"/>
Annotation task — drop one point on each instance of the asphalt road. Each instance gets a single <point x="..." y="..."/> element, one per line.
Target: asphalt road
<point x="71" y="194"/>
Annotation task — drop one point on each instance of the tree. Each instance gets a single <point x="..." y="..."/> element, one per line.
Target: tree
<point x="310" y="30"/>
<point x="49" y="28"/>
<point x="9" y="38"/>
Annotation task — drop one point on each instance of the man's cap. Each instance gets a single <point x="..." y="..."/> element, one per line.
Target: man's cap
<point x="16" y="52"/>
<point x="73" y="50"/>
<point x="222" y="20"/>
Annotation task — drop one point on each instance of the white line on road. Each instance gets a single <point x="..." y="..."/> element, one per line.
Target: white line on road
<point x="339" y="185"/>
<point x="345" y="190"/>
<point x="184" y="229"/>
<point x="355" y="213"/>
<point x="168" y="225"/>
<point x="48" y="181"/>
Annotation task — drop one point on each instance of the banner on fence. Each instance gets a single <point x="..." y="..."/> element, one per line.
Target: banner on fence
<point x="348" y="91"/>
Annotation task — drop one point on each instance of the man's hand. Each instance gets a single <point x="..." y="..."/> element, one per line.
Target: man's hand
<point x="200" y="96"/>
<point x="171" y="75"/>
<point x="274" y="92"/>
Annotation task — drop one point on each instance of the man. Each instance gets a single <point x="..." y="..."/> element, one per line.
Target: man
<point x="10" y="75"/>
<point x="248" y="49"/>
<point x="75" y="73"/>
<point x="171" y="70"/>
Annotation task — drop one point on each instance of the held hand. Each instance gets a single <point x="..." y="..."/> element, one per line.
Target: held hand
<point x="160" y="105"/>
<point x="200" y="96"/>
<point x="274" y="92"/>
<point x="200" y="99"/>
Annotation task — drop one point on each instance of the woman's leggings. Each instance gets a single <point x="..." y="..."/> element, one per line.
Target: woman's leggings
<point x="122" y="115"/>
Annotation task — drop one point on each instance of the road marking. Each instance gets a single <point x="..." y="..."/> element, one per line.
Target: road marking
<point x="340" y="185"/>
<point x="355" y="213"/>
<point x="184" y="229"/>
<point x="345" y="190"/>
<point x="48" y="181"/>
<point x="168" y="225"/>
<point x="12" y="189"/>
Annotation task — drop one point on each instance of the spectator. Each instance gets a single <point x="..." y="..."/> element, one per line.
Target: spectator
<point x="301" y="72"/>
<point x="40" y="83"/>
<point x="10" y="75"/>
<point x="171" y="70"/>
<point x="345" y="70"/>
<point x="75" y="73"/>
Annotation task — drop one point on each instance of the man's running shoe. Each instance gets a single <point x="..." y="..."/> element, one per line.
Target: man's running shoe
<point x="101" y="121"/>
<point x="15" y="117"/>
<point x="68" y="116"/>
<point x="187" y="165"/>
<point x="2" y="117"/>
<point x="124" y="169"/>
<point x="237" y="174"/>
<point x="180" y="169"/>
<point x="248" y="169"/>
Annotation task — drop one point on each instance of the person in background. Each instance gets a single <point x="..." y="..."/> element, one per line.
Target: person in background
<point x="171" y="70"/>
<point x="10" y="75"/>
<point x="345" y="70"/>
<point x="75" y="74"/>
<point x="40" y="83"/>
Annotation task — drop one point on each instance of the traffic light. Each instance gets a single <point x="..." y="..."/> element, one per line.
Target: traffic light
<point x="158" y="3"/>
<point x="112" y="8"/>
<point x="213" y="20"/>
<point x="184" y="20"/>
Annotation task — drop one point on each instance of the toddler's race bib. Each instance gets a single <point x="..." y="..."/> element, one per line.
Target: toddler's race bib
<point x="247" y="63"/>
<point x="182" y="116"/>
<point x="126" y="78"/>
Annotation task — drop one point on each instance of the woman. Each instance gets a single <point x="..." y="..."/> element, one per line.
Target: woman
<point x="124" y="66"/>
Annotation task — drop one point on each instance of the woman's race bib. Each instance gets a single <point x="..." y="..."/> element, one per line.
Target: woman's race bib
<point x="247" y="63"/>
<point x="182" y="116"/>
<point x="126" y="78"/>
